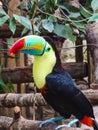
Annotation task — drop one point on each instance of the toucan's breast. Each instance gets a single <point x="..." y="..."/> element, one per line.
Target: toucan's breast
<point x="43" y="65"/>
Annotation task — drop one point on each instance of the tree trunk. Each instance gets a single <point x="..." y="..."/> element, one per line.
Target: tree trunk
<point x="92" y="43"/>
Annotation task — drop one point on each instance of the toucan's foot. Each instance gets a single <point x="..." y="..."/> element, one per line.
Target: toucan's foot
<point x="67" y="125"/>
<point x="52" y="120"/>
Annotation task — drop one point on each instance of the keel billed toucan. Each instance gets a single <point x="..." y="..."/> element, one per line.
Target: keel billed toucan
<point x="55" y="84"/>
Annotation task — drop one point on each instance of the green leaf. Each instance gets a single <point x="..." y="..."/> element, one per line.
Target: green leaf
<point x="2" y="12"/>
<point x="80" y="26"/>
<point x="88" y="4"/>
<point x="10" y="42"/>
<point x="3" y="19"/>
<point x="25" y="30"/>
<point x="85" y="13"/>
<point x="74" y="15"/>
<point x="36" y="29"/>
<point x="10" y="85"/>
<point x="60" y="30"/>
<point x="69" y="8"/>
<point x="69" y="33"/>
<point x="12" y="25"/>
<point x="93" y="18"/>
<point x="94" y="4"/>
<point x="31" y="8"/>
<point x="41" y="3"/>
<point x="50" y="6"/>
<point x="64" y="31"/>
<point x="54" y="2"/>
<point x="23" y="20"/>
<point x="64" y="8"/>
<point x="47" y="25"/>
<point x="52" y="18"/>
<point x="22" y="6"/>
<point x="2" y="84"/>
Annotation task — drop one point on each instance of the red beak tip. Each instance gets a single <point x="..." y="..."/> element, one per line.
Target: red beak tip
<point x="16" y="47"/>
<point x="11" y="53"/>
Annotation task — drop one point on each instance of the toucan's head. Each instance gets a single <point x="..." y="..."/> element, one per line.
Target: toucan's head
<point x="33" y="45"/>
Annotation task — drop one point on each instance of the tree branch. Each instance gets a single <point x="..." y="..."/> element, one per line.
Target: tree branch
<point x="11" y="99"/>
<point x="19" y="122"/>
<point x="77" y="70"/>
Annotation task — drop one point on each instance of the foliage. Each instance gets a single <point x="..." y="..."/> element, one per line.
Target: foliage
<point x="52" y="17"/>
<point x="8" y="87"/>
<point x="5" y="87"/>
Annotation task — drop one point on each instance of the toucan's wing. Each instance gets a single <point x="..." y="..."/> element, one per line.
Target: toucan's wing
<point x="64" y="88"/>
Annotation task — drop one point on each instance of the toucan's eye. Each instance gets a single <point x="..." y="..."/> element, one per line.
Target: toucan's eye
<point x="48" y="49"/>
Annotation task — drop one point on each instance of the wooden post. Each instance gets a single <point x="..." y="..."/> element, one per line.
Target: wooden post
<point x="92" y="42"/>
<point x="79" y="50"/>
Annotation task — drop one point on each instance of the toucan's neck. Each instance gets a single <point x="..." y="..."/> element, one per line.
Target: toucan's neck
<point x="43" y="65"/>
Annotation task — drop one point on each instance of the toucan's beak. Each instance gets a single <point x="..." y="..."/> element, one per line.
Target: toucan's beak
<point x="32" y="44"/>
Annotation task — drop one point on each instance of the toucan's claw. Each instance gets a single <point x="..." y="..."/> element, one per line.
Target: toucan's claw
<point x="67" y="125"/>
<point x="52" y="120"/>
<point x="46" y="121"/>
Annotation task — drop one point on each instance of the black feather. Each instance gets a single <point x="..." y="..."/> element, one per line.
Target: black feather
<point x="64" y="96"/>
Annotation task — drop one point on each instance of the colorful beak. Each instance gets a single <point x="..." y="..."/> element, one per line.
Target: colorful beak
<point x="32" y="44"/>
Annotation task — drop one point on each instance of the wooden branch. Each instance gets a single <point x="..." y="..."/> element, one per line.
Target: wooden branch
<point x="11" y="99"/>
<point x="77" y="70"/>
<point x="15" y="74"/>
<point x="92" y="95"/>
<point x="19" y="122"/>
<point x="6" y="33"/>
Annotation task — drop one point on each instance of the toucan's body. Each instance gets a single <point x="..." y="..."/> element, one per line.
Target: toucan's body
<point x="63" y="95"/>
<point x="55" y="84"/>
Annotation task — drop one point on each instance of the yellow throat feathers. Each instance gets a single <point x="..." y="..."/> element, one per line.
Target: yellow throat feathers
<point x="43" y="65"/>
